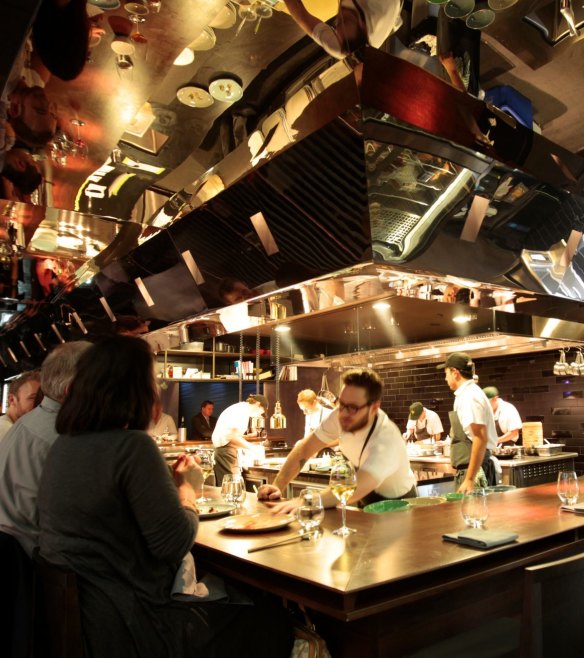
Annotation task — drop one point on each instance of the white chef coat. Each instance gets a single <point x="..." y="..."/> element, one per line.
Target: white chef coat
<point x="385" y="457"/>
<point x="313" y="420"/>
<point x="472" y="406"/>
<point x="508" y="417"/>
<point x="235" y="417"/>
<point x="432" y="423"/>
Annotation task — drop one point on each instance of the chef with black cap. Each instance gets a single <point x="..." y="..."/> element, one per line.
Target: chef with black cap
<point x="507" y="419"/>
<point x="472" y="425"/>
<point x="228" y="434"/>
<point x="423" y="424"/>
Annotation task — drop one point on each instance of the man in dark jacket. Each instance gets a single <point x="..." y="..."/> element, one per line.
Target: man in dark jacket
<point x="203" y="424"/>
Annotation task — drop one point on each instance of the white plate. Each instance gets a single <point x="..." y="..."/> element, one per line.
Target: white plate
<point x="205" y="41"/>
<point x="215" y="510"/>
<point x="260" y="522"/>
<point x="194" y="97"/>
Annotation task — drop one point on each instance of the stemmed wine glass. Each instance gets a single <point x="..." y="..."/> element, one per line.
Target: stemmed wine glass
<point x="474" y="508"/>
<point x="246" y="13"/>
<point x="207" y="461"/>
<point x="343" y="482"/>
<point x="568" y="488"/>
<point x="310" y="512"/>
<point x="233" y="489"/>
<point x="138" y="13"/>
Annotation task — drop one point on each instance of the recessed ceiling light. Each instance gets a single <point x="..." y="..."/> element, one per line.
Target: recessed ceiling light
<point x="186" y="57"/>
<point x="226" y="90"/>
<point x="194" y="96"/>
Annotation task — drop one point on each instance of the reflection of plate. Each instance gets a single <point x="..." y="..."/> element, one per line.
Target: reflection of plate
<point x="382" y="506"/>
<point x="205" y="41"/>
<point x="501" y="488"/>
<point x="260" y="522"/>
<point x="214" y="511"/>
<point x="225" y="18"/>
<point x="105" y="4"/>
<point x="194" y="97"/>
<point x="425" y="501"/>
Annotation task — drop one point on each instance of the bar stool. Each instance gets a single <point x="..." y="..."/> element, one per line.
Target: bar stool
<point x="57" y="613"/>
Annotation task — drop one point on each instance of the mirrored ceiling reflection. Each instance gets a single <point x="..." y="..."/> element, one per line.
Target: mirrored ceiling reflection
<point x="448" y="211"/>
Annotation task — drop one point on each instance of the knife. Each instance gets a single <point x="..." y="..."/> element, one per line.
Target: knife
<point x="289" y="540"/>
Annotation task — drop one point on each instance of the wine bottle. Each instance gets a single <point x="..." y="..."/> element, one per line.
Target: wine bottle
<point x="182" y="430"/>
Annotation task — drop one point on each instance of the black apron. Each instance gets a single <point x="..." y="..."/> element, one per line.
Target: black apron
<point x="423" y="434"/>
<point x="373" y="496"/>
<point x="461" y="448"/>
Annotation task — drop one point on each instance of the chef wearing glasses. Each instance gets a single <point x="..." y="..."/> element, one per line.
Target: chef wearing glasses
<point x="368" y="439"/>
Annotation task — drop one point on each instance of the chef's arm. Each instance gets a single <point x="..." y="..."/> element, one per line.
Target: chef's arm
<point x="300" y="454"/>
<point x="510" y="436"/>
<point x="477" y="455"/>
<point x="235" y="439"/>
<point x="303" y="18"/>
<point x="437" y="437"/>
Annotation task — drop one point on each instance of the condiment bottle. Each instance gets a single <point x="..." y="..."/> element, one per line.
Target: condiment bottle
<point x="182" y="430"/>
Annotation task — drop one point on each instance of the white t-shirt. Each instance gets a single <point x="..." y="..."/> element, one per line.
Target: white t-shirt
<point x="472" y="406"/>
<point x="236" y="417"/>
<point x="508" y="417"/>
<point x="165" y="424"/>
<point x="432" y="423"/>
<point x="385" y="457"/>
<point x="313" y="420"/>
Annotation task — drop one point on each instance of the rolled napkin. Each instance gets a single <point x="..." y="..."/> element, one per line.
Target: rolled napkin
<point x="578" y="508"/>
<point x="479" y="538"/>
<point x="185" y="581"/>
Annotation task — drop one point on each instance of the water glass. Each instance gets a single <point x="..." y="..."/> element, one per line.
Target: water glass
<point x="475" y="510"/>
<point x="233" y="489"/>
<point x="568" y="488"/>
<point x="310" y="512"/>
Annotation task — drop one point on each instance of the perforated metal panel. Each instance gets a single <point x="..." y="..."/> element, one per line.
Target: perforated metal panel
<point x="392" y="226"/>
<point x="531" y="474"/>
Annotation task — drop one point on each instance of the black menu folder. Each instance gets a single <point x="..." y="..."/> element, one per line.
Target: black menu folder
<point x="479" y="538"/>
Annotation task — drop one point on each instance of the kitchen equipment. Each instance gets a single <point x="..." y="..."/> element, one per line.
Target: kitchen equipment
<point x="199" y="330"/>
<point x="548" y="449"/>
<point x="532" y="433"/>
<point x="325" y="396"/>
<point x="504" y="453"/>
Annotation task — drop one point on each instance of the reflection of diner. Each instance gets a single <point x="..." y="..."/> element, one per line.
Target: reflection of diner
<point x="22" y="398"/>
<point x="110" y="511"/>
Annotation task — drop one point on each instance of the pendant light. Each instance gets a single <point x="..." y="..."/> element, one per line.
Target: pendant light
<point x="278" y="420"/>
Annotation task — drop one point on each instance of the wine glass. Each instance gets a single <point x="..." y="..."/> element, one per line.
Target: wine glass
<point x="233" y="489"/>
<point x="206" y="462"/>
<point x="568" y="488"/>
<point x="138" y="13"/>
<point x="343" y="482"/>
<point x="310" y="513"/>
<point x="246" y="13"/>
<point x="475" y="510"/>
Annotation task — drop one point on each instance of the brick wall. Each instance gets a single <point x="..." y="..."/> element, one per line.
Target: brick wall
<point x="525" y="380"/>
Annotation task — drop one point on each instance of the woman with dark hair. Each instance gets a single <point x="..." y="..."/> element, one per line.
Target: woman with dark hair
<point x="109" y="511"/>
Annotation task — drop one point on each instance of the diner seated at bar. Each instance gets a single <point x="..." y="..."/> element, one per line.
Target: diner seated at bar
<point x="291" y="332"/>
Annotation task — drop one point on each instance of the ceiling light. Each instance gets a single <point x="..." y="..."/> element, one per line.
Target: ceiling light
<point x="194" y="96"/>
<point x="186" y="57"/>
<point x="227" y="90"/>
<point x="205" y="41"/>
<point x="282" y="328"/>
<point x="381" y="306"/>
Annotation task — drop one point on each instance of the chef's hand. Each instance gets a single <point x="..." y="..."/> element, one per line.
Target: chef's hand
<point x="269" y="492"/>
<point x="466" y="487"/>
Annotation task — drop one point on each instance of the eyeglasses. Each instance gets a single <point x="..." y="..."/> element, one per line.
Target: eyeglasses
<point x="353" y="408"/>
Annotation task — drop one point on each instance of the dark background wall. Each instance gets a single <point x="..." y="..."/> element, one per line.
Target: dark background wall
<point x="527" y="381"/>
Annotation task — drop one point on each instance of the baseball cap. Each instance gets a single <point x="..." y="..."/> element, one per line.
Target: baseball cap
<point x="459" y="360"/>
<point x="491" y="392"/>
<point x="416" y="409"/>
<point x="258" y="397"/>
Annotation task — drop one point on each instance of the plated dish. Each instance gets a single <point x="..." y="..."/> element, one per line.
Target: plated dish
<point x="215" y="510"/>
<point x="260" y="522"/>
<point x="426" y="501"/>
<point x="382" y="506"/>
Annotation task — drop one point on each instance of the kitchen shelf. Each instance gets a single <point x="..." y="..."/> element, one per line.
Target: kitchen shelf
<point x="216" y="379"/>
<point x="229" y="355"/>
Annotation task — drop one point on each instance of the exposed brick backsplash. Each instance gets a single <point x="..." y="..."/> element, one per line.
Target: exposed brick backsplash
<point x="525" y="380"/>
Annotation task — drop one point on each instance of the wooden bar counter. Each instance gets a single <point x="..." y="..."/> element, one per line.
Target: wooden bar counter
<point x="395" y="586"/>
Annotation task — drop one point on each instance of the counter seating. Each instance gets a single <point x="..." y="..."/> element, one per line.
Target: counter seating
<point x="550" y="623"/>
<point x="57" y="614"/>
<point x="15" y="599"/>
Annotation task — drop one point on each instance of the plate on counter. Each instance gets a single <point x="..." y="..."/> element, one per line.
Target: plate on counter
<point x="426" y="501"/>
<point x="383" y="506"/>
<point x="260" y="522"/>
<point x="214" y="511"/>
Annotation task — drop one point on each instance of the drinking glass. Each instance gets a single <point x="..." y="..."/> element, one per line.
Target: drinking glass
<point x="568" y="488"/>
<point x="207" y="461"/>
<point x="233" y="489"/>
<point x="475" y="510"/>
<point x="343" y="482"/>
<point x="310" y="513"/>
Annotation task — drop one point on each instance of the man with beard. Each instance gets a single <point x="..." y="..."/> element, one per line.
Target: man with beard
<point x="367" y="438"/>
<point x="22" y="171"/>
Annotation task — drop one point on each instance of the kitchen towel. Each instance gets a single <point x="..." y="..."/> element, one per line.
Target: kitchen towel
<point x="479" y="538"/>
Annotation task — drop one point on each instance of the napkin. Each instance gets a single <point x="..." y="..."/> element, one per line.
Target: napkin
<point x="578" y="508"/>
<point x="185" y="581"/>
<point x="481" y="538"/>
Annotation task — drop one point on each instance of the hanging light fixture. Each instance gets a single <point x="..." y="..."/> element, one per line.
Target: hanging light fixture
<point x="278" y="420"/>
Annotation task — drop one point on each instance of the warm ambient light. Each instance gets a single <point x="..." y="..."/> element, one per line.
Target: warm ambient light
<point x="186" y="57"/>
<point x="381" y="306"/>
<point x="282" y="328"/>
<point x="463" y="317"/>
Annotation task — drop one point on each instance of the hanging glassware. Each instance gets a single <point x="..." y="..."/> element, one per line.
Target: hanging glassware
<point x="561" y="366"/>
